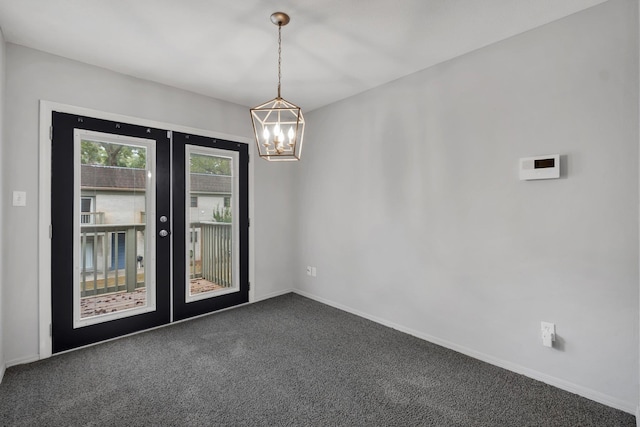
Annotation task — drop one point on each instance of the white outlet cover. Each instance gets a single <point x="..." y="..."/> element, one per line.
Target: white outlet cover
<point x="548" y="326"/>
<point x="19" y="198"/>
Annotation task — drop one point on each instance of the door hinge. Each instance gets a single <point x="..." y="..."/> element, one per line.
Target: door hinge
<point x="168" y="134"/>
<point x="249" y="286"/>
<point x="50" y="231"/>
<point x="248" y="222"/>
<point x="50" y="330"/>
<point x="50" y="133"/>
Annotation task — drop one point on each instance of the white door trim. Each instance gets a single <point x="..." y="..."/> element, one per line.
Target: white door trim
<point x="44" y="201"/>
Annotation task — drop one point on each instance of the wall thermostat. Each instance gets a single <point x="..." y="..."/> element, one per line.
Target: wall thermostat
<point x="540" y="167"/>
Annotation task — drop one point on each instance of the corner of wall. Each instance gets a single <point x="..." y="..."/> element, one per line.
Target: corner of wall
<point x="2" y="96"/>
<point x="275" y="228"/>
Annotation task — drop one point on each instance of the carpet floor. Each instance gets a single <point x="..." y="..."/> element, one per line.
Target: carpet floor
<point x="287" y="361"/>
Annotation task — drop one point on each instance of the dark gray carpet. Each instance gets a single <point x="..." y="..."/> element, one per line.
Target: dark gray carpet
<point x="288" y="361"/>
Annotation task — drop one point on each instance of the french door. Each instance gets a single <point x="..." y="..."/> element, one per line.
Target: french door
<point x="211" y="218"/>
<point x="118" y="241"/>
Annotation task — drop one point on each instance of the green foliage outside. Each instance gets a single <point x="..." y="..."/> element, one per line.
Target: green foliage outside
<point x="210" y="165"/>
<point x="126" y="156"/>
<point x="107" y="154"/>
<point x="222" y="214"/>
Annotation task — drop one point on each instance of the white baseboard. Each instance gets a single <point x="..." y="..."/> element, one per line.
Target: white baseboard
<point x="22" y="360"/>
<point x="556" y="382"/>
<point x="272" y="295"/>
<point x="2" y="369"/>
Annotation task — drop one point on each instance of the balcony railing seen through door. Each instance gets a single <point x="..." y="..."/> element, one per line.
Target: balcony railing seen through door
<point x="102" y="268"/>
<point x="210" y="252"/>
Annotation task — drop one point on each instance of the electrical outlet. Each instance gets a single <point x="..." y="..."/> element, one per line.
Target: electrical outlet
<point x="313" y="272"/>
<point x="548" y="333"/>
<point x="548" y="327"/>
<point x="19" y="198"/>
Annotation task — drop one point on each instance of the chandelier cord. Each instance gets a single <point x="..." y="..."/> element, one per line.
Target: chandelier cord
<point x="279" y="56"/>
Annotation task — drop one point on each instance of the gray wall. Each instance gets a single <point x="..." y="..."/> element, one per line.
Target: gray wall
<point x="411" y="208"/>
<point x="2" y="143"/>
<point x="275" y="228"/>
<point x="32" y="76"/>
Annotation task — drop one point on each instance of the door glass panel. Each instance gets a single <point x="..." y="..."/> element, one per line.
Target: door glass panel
<point x="114" y="227"/>
<point x="211" y="234"/>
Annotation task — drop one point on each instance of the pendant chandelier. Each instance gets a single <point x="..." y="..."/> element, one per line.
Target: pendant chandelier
<point x="278" y="124"/>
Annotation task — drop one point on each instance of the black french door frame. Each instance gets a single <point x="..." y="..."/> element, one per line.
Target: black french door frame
<point x="170" y="182"/>
<point x="64" y="335"/>
<point x="181" y="308"/>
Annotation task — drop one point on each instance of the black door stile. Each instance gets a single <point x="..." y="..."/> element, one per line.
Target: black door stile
<point x="64" y="336"/>
<point x="181" y="308"/>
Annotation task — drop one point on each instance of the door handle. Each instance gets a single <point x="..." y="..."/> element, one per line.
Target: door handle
<point x="163" y="233"/>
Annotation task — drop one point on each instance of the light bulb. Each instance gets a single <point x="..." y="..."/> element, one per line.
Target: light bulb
<point x="276" y="129"/>
<point x="265" y="134"/>
<point x="281" y="136"/>
<point x="291" y="134"/>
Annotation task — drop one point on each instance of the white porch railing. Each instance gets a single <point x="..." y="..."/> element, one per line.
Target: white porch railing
<point x="212" y="252"/>
<point x="99" y="258"/>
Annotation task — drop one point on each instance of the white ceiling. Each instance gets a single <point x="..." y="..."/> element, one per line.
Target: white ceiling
<point x="227" y="49"/>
